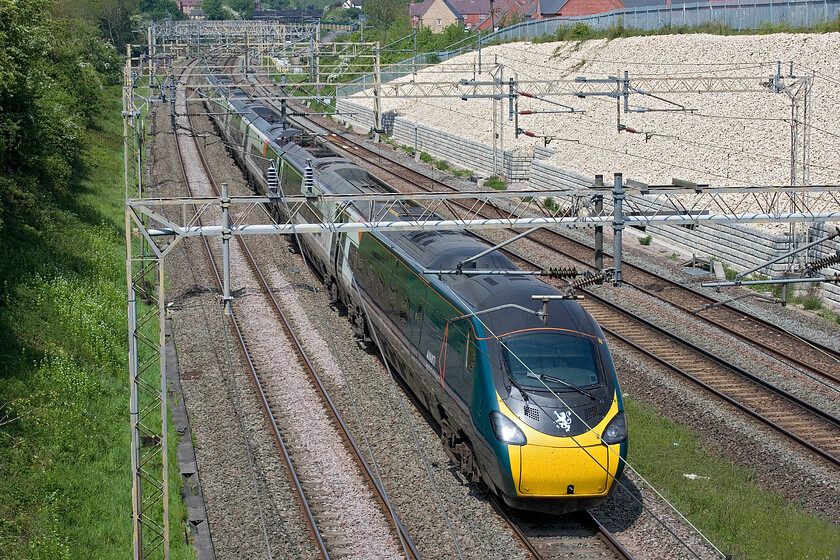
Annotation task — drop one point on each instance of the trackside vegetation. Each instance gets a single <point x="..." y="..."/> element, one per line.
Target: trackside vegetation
<point x="65" y="485"/>
<point x="723" y="500"/>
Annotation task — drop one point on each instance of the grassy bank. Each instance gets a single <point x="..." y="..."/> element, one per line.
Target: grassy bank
<point x="724" y="501"/>
<point x="65" y="486"/>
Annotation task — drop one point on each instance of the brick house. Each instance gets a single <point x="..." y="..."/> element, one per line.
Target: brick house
<point x="472" y="14"/>
<point x="569" y="8"/>
<point x="187" y="6"/>
<point x="438" y="14"/>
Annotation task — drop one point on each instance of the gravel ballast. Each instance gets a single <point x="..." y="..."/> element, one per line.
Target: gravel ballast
<point x="726" y="139"/>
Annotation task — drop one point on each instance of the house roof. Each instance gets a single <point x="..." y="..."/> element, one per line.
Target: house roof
<point x="549" y="7"/>
<point x="419" y="8"/>
<point x="503" y="7"/>
<point x="458" y="7"/>
<point x="470" y="7"/>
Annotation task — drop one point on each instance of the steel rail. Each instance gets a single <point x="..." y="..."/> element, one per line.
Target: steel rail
<point x="774" y="389"/>
<point x="607" y="539"/>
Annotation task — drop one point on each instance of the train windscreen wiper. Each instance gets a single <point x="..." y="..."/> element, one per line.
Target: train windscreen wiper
<point x="516" y="384"/>
<point x="541" y="376"/>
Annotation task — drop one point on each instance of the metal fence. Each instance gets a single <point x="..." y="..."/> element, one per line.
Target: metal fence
<point x="735" y="14"/>
<point x="738" y="15"/>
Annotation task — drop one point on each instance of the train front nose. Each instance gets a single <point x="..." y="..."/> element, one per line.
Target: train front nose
<point x="565" y="470"/>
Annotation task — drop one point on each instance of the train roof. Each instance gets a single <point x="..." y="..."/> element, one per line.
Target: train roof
<point x="445" y="249"/>
<point x="430" y="249"/>
<point x="487" y="292"/>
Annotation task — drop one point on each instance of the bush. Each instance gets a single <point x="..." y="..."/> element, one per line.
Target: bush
<point x="646" y="240"/>
<point x="812" y="302"/>
<point x="496" y="183"/>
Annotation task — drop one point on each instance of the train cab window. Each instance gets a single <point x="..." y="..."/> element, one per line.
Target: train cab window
<point x="569" y="357"/>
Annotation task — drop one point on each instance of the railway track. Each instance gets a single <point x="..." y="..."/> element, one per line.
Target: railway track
<point x="800" y="421"/>
<point x="577" y="536"/>
<point x="316" y="499"/>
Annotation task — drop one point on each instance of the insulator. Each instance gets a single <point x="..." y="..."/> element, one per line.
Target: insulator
<point x="523" y="94"/>
<point x="526" y="112"/>
<point x="588" y="279"/>
<point x="271" y="178"/>
<point x="531" y="134"/>
<point x="308" y="179"/>
<point x="822" y="263"/>
<point x="560" y="272"/>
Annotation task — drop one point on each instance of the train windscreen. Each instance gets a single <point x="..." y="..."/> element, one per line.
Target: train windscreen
<point x="537" y="359"/>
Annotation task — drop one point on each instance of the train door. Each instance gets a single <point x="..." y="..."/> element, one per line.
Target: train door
<point x="456" y="360"/>
<point x="347" y="260"/>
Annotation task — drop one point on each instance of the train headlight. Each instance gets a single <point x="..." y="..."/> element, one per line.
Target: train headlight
<point x="616" y="431"/>
<point x="505" y="430"/>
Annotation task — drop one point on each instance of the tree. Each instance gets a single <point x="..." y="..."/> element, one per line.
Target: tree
<point x="51" y="75"/>
<point x="381" y="14"/>
<point x="161" y="9"/>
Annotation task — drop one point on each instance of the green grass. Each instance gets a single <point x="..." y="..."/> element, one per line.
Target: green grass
<point x="496" y="183"/>
<point x="729" y="507"/>
<point x="812" y="302"/>
<point x="439" y="163"/>
<point x="65" y="485"/>
<point x="579" y="32"/>
<point x="646" y="240"/>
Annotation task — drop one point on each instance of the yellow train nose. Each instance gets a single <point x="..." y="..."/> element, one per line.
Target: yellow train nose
<point x="563" y="471"/>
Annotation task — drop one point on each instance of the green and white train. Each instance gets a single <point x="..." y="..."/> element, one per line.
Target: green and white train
<point x="527" y="403"/>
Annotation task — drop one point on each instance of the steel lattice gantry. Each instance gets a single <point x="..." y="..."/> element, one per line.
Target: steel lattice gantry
<point x="147" y="366"/>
